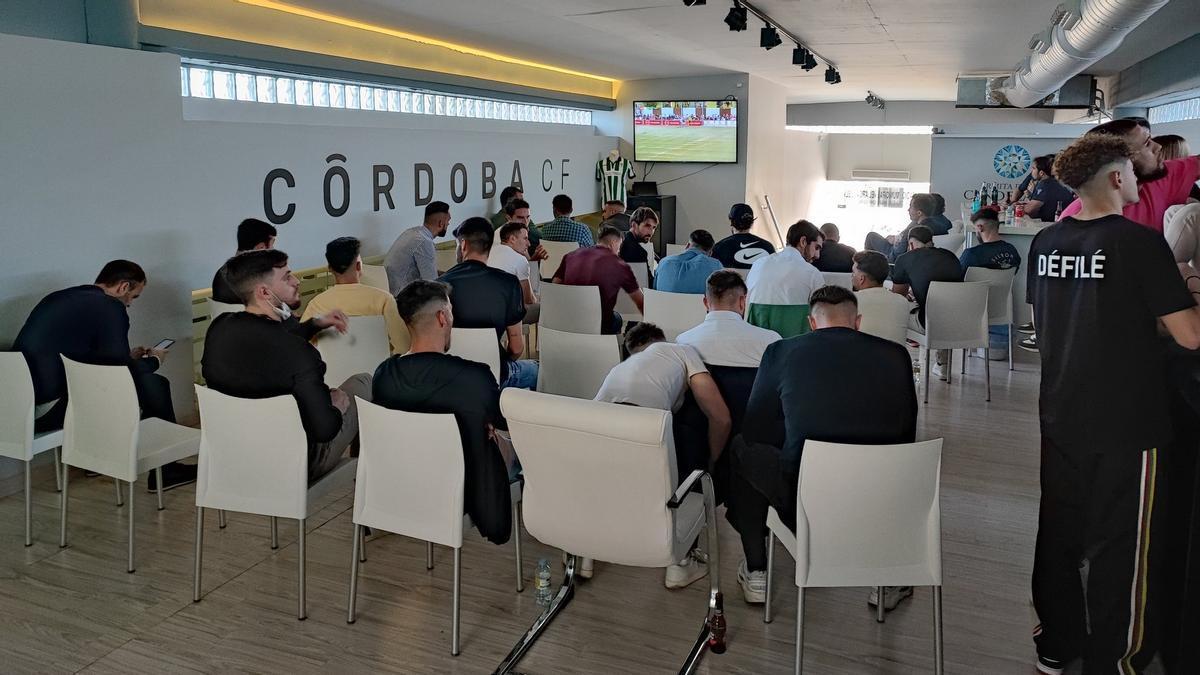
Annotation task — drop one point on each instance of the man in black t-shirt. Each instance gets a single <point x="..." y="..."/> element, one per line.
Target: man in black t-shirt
<point x="835" y="256"/>
<point x="642" y="223"/>
<point x="921" y="266"/>
<point x="1049" y="196"/>
<point x="252" y="235"/>
<point x="1099" y="283"/>
<point x="993" y="252"/>
<point x="739" y="250"/>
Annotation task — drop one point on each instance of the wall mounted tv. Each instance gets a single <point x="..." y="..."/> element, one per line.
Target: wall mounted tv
<point x="686" y="131"/>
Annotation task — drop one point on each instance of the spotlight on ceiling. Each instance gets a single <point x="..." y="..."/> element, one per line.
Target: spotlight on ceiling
<point x="874" y="101"/>
<point x="803" y="58"/>
<point x="736" y="18"/>
<point x="693" y="3"/>
<point x="832" y="76"/>
<point x="768" y="37"/>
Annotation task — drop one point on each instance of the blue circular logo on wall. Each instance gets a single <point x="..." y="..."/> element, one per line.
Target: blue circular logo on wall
<point x="1012" y="161"/>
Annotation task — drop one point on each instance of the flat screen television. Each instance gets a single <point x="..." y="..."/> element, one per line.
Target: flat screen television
<point x="686" y="131"/>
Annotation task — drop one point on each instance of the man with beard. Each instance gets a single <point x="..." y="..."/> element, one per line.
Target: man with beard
<point x="413" y="255"/>
<point x="642" y="223"/>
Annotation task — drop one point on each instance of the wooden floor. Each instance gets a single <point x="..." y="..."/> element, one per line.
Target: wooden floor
<point x="77" y="610"/>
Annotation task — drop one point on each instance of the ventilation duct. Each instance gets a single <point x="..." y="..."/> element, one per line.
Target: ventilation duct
<point x="1082" y="32"/>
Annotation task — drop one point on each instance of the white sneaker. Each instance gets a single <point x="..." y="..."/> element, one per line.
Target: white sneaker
<point x="686" y="571"/>
<point x="892" y="595"/>
<point x="754" y="585"/>
<point x="583" y="566"/>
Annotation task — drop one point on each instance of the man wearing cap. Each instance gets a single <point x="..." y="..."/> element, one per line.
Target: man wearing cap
<point x="740" y="249"/>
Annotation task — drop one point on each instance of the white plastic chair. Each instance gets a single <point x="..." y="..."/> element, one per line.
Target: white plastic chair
<point x="535" y="277"/>
<point x="651" y="256"/>
<point x="676" y="249"/>
<point x="956" y="317"/>
<point x="216" y="308"/>
<point x="674" y="313"/>
<point x="444" y="258"/>
<point x="477" y="344"/>
<point x="574" y="455"/>
<point x="886" y="531"/>
<point x="411" y="477"/>
<point x="17" y="437"/>
<point x="625" y="305"/>
<point x="574" y="364"/>
<point x="952" y="242"/>
<point x="262" y="469"/>
<point x="102" y="433"/>
<point x="363" y="347"/>
<point x="556" y="250"/>
<point x="574" y="309"/>
<point x="1000" y="305"/>
<point x="842" y="279"/>
<point x="375" y="276"/>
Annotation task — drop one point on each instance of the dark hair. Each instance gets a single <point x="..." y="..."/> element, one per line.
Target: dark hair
<point x="247" y="269"/>
<point x="641" y="335"/>
<point x="830" y="231"/>
<point x="615" y="202"/>
<point x="1083" y="158"/>
<point x="985" y="214"/>
<point x="434" y="208"/>
<point x="608" y="232"/>
<point x="508" y="193"/>
<point x="641" y="214"/>
<point x="478" y="234"/>
<point x="1045" y="164"/>
<point x="802" y="229"/>
<point x="562" y="204"/>
<point x="116" y="271"/>
<point x="418" y="295"/>
<point x="511" y="206"/>
<point x="939" y="203"/>
<point x="251" y="232"/>
<point x="924" y="203"/>
<point x="922" y="234"/>
<point x="510" y="229"/>
<point x="723" y="282"/>
<point x="341" y="253"/>
<point x="1121" y="127"/>
<point x="873" y="264"/>
<point x="831" y="295"/>
<point x="702" y="239"/>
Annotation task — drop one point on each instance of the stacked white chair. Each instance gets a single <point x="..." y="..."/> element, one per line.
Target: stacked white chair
<point x="360" y="350"/>
<point x="102" y="433"/>
<point x="17" y="437"/>
<point x="884" y="532"/>
<point x="575" y="364"/>
<point x="477" y="344"/>
<point x="1000" y="303"/>
<point x="676" y="249"/>
<point x="956" y="317"/>
<point x="248" y="467"/>
<point x="952" y="242"/>
<point x="556" y="250"/>
<point x="651" y="256"/>
<point x="674" y="313"/>
<point x="842" y="279"/>
<point x="375" y="276"/>
<point x="574" y="309"/>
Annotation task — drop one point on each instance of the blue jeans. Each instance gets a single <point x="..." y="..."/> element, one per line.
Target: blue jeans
<point x="522" y="374"/>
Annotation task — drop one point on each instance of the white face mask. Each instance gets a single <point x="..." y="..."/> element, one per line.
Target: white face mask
<point x="282" y="308"/>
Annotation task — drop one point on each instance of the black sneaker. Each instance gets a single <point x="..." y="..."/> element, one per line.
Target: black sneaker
<point x="1025" y="328"/>
<point x="174" y="474"/>
<point x="1029" y="344"/>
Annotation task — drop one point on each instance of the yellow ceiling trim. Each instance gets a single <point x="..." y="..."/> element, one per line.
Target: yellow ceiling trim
<point x="422" y="39"/>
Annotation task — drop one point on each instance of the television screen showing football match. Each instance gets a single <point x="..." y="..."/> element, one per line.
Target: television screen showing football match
<point x="685" y="131"/>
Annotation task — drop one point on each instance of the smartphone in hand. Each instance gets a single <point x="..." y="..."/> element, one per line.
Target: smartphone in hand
<point x="164" y="344"/>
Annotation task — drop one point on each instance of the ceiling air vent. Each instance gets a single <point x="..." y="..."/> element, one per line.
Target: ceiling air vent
<point x="878" y="174"/>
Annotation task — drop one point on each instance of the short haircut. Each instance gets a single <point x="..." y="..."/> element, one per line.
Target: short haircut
<point x="478" y="233"/>
<point x="723" y="282"/>
<point x="702" y="239"/>
<point x="508" y="193"/>
<point x="641" y="335"/>
<point x="830" y="231"/>
<point x="419" y="297"/>
<point x="802" y="229"/>
<point x="922" y="234"/>
<point x="116" y="271"/>
<point x="641" y="214"/>
<point x="939" y="203"/>
<point x="251" y="232"/>
<point x="247" y="269"/>
<point x="341" y="253"/>
<point x="510" y="230"/>
<point x="615" y="202"/>
<point x="832" y="295"/>
<point x="1084" y="158"/>
<point x="985" y="214"/>
<point x="608" y="232"/>
<point x="511" y="206"/>
<point x="434" y="208"/>
<point x="873" y="264"/>
<point x="924" y="203"/>
<point x="562" y="204"/>
<point x="1045" y="164"/>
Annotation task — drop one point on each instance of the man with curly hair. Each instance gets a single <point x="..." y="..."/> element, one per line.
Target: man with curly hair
<point x="1099" y="283"/>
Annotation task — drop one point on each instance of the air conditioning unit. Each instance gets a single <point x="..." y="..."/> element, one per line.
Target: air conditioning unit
<point x="982" y="91"/>
<point x="878" y="174"/>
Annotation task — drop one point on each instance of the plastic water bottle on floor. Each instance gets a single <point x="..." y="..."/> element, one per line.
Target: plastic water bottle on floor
<point x="541" y="583"/>
<point x="917" y="373"/>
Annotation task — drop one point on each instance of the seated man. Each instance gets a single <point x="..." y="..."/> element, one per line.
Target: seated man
<point x="516" y="210"/>
<point x="921" y="266"/>
<point x="252" y="354"/>
<point x="920" y="213"/>
<point x="502" y="216"/>
<point x="486" y="297"/>
<point x="1049" y="197"/>
<point x="741" y="248"/>
<point x="352" y="297"/>
<point x="781" y="283"/>
<point x="938" y="223"/>
<point x="993" y="252"/>
<point x="833" y="384"/>
<point x="511" y="255"/>
<point x="883" y="313"/>
<point x="835" y="256"/>
<point x="614" y="214"/>
<point x="252" y="235"/>
<point x="428" y="380"/>
<point x="724" y="338"/>
<point x="600" y="266"/>
<point x="687" y="272"/>
<point x="642" y="224"/>
<point x="563" y="228"/>
<point x="657" y="374"/>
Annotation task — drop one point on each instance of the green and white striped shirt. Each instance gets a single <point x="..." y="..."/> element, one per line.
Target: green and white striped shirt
<point x="611" y="176"/>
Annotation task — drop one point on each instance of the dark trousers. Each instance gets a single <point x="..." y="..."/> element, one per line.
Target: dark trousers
<point x="758" y="479"/>
<point x="877" y="242"/>
<point x="1095" y="570"/>
<point x="154" y="398"/>
<point x="613" y="325"/>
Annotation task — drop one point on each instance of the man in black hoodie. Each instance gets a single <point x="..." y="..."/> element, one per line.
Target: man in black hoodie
<point x="428" y="380"/>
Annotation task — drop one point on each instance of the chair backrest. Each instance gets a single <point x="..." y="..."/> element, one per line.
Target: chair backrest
<point x="253" y="455"/>
<point x="869" y="515"/>
<point x="444" y="259"/>
<point x="574" y="364"/>
<point x="100" y="431"/>
<point x="16" y="407"/>
<point x="674" y="312"/>
<point x="555" y="250"/>
<point x="375" y="276"/>
<point x="651" y="255"/>
<point x="411" y="474"/>
<point x="535" y="277"/>
<point x="1000" y="283"/>
<point x="575" y="309"/>
<point x="956" y="314"/>
<point x="838" y="279"/>
<point x="217" y="308"/>
<point x="625" y="305"/>
<point x="884" y="316"/>
<point x="597" y="476"/>
<point x="477" y="344"/>
<point x="676" y="249"/>
<point x="952" y="242"/>
<point x="743" y="273"/>
<point x="363" y="347"/>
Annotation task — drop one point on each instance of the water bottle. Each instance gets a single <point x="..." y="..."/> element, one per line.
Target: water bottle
<point x="541" y="583"/>
<point x="917" y="373"/>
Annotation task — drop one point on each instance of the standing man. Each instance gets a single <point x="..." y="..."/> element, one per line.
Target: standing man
<point x="413" y="255"/>
<point x="642" y="223"/>
<point x="563" y="227"/>
<point x="1049" y="196"/>
<point x="1099" y="285"/>
<point x="252" y="235"/>
<point x="741" y="249"/>
<point x="835" y="256"/>
<point x="781" y="283"/>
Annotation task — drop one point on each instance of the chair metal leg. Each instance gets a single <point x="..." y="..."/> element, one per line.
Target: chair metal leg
<point x="987" y="371"/>
<point x="456" y="610"/>
<point x="159" y="485"/>
<point x="221" y="520"/>
<point x="197" y="553"/>
<point x="429" y="555"/>
<point x="354" y="560"/>
<point x="117" y="485"/>
<point x="301" y="602"/>
<point x="130" y="567"/>
<point x="274" y="533"/>
<point x="800" y="629"/>
<point x="949" y="365"/>
<point x="928" y="368"/>
<point x="62" y="507"/>
<point x="879" y="609"/>
<point x="516" y="519"/>
<point x="1012" y="344"/>
<point x="938" y="643"/>
<point x="712" y="632"/>
<point x="362" y="544"/>
<point x="565" y="592"/>
<point x="58" y="469"/>
<point x="964" y="362"/>
<point x="767" y="618"/>
<point x="28" y="503"/>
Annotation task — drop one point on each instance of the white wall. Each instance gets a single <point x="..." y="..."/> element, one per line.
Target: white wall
<point x="961" y="164"/>
<point x="53" y="19"/>
<point x="769" y="173"/>
<point x="807" y="155"/>
<point x="892" y="152"/>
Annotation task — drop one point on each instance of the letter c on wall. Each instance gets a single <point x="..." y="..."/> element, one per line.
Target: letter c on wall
<point x="269" y="203"/>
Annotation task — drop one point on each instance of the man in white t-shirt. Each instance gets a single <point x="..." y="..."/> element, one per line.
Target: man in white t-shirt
<point x="781" y="283"/>
<point x="724" y="338"/>
<point x="884" y="314"/>
<point x="511" y="257"/>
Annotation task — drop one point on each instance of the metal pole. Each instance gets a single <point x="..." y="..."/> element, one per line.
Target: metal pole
<point x="28" y="503"/>
<point x="130" y="568"/>
<point x="455" y="612"/>
<point x="302" y="605"/>
<point x="196" y="565"/>
<point x="350" y="611"/>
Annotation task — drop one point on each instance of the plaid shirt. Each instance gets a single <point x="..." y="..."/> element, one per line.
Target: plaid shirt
<point x="563" y="228"/>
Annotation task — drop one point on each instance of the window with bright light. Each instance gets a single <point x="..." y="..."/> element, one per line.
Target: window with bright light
<point x="1188" y="109"/>
<point x="858" y="207"/>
